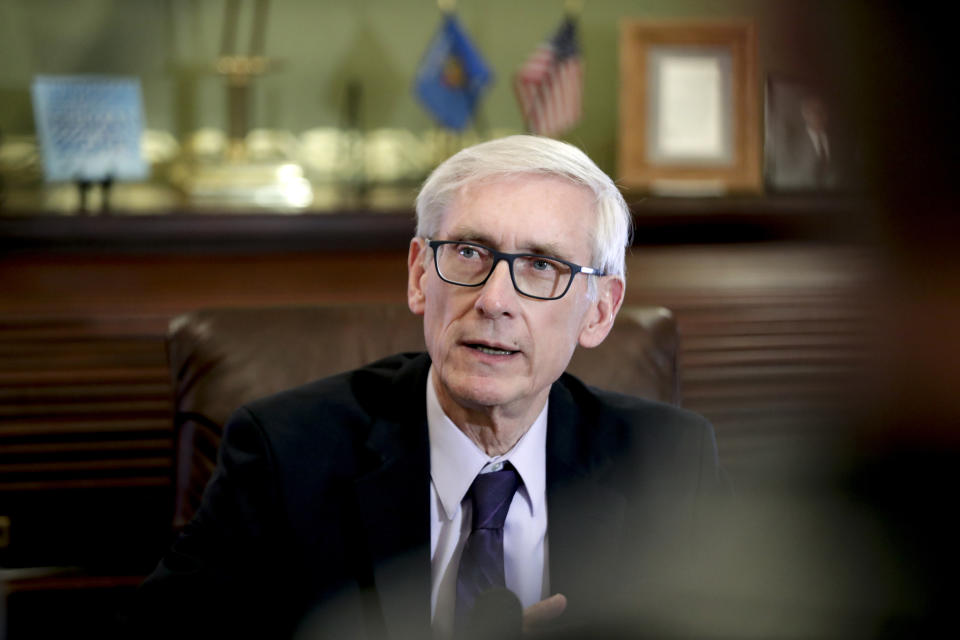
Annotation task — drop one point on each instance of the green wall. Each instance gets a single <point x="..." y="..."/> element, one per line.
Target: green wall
<point x="323" y="44"/>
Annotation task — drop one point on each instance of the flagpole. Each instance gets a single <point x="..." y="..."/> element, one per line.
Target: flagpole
<point x="447" y="8"/>
<point x="573" y="8"/>
<point x="258" y="35"/>
<point x="480" y="124"/>
<point x="229" y="36"/>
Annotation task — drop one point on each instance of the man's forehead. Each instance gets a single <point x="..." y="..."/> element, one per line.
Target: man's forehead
<point x="552" y="225"/>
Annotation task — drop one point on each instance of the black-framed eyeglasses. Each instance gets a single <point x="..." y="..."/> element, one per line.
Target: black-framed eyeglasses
<point x="469" y="264"/>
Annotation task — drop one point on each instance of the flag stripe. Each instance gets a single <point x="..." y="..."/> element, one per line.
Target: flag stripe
<point x="549" y="85"/>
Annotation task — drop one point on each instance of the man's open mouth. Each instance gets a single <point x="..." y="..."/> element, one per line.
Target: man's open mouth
<point x="493" y="351"/>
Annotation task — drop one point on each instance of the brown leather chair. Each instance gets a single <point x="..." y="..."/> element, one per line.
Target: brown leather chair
<point x="222" y="358"/>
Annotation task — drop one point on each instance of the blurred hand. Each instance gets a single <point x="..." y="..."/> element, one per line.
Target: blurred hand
<point x="539" y="616"/>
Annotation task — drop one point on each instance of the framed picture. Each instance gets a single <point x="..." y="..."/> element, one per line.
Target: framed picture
<point x="89" y="127"/>
<point x="689" y="107"/>
<point x="807" y="146"/>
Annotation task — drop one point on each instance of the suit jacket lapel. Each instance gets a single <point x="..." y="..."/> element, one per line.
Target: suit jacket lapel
<point x="393" y="501"/>
<point x="585" y="518"/>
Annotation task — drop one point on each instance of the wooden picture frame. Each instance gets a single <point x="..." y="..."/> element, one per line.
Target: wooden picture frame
<point x="689" y="107"/>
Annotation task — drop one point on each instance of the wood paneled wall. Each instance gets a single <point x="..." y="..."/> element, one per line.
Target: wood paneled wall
<point x="777" y="347"/>
<point x="774" y="346"/>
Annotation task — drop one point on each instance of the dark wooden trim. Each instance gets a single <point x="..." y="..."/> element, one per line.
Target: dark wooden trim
<point x="189" y="232"/>
<point x="656" y="220"/>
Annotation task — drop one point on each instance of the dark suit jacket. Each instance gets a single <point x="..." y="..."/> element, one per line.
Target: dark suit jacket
<point x="318" y="512"/>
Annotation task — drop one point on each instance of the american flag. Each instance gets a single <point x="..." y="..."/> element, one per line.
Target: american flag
<point x="549" y="85"/>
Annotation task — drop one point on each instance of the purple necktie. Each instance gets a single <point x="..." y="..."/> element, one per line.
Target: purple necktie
<point x="481" y="565"/>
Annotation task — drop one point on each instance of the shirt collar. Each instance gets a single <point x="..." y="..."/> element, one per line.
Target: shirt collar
<point x="455" y="460"/>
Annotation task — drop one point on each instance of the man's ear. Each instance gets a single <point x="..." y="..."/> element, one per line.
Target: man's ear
<point x="416" y="272"/>
<point x="603" y="311"/>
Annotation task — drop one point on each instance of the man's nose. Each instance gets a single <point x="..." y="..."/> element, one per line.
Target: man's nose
<point x="497" y="295"/>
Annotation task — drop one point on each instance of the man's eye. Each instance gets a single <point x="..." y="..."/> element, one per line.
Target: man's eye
<point x="467" y="252"/>
<point x="543" y="265"/>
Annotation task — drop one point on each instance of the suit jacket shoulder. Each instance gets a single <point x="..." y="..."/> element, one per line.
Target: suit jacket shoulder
<point x="285" y="521"/>
<point x="377" y="390"/>
<point x="592" y="428"/>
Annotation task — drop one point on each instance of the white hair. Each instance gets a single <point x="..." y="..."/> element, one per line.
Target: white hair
<point x="524" y="154"/>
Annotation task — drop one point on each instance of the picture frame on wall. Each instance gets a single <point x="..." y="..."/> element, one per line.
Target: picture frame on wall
<point x="807" y="146"/>
<point x="689" y="107"/>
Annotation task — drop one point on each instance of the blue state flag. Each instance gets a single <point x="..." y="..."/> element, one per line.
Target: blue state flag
<point x="452" y="76"/>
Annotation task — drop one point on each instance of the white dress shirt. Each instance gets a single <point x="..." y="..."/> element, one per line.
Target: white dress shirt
<point x="454" y="463"/>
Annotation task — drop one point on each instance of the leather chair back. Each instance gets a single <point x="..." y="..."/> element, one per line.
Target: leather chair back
<point x="222" y="358"/>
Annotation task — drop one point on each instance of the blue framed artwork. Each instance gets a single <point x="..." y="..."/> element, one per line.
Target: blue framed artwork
<point x="89" y="127"/>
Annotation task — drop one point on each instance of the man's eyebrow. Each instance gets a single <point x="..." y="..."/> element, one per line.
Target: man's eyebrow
<point x="547" y="249"/>
<point x="472" y="236"/>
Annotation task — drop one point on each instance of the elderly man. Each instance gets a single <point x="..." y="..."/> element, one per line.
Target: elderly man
<point x="401" y="499"/>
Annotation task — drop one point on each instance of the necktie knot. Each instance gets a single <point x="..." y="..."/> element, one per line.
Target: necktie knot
<point x="492" y="494"/>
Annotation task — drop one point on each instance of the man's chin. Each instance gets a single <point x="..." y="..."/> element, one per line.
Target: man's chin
<point x="479" y="392"/>
<point x="478" y="397"/>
